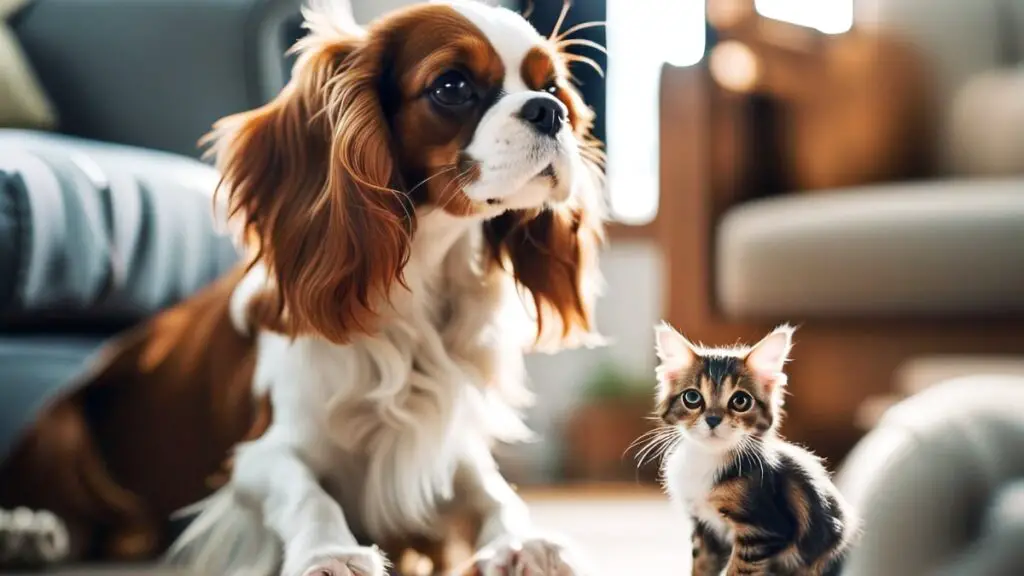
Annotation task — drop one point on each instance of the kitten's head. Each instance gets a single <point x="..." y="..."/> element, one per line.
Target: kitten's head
<point x="720" y="397"/>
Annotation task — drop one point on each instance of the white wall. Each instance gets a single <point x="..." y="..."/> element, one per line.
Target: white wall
<point x="632" y="304"/>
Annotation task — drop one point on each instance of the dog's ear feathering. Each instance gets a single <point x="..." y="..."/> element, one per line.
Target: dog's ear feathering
<point x="553" y="256"/>
<point x="553" y="253"/>
<point x="310" y="179"/>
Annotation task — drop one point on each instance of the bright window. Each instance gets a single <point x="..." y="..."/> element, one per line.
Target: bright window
<point x="828" y="16"/>
<point x="642" y="36"/>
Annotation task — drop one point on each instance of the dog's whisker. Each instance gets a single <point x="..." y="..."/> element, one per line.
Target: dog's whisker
<point x="562" y="44"/>
<point x="566" y="4"/>
<point x="578" y="27"/>
<point x="459" y="184"/>
<point x="446" y="169"/>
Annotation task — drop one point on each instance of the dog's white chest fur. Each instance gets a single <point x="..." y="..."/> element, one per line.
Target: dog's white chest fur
<point x="386" y="419"/>
<point x="689" y="476"/>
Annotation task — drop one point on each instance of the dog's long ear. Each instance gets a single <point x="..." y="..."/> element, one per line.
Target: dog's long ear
<point x="311" y="181"/>
<point x="553" y="256"/>
<point x="553" y="253"/>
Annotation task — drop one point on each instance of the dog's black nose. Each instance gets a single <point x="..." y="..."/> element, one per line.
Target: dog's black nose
<point x="713" y="421"/>
<point x="545" y="114"/>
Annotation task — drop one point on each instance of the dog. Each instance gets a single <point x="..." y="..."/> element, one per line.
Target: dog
<point x="419" y="206"/>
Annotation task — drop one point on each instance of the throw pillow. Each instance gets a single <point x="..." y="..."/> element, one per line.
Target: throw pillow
<point x="23" y="102"/>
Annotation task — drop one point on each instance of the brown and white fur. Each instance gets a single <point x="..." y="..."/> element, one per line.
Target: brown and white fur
<point x="407" y="247"/>
<point x="758" y="504"/>
<point x="397" y="359"/>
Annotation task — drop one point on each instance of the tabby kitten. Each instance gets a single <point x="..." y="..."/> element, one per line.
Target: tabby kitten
<point x="759" y="504"/>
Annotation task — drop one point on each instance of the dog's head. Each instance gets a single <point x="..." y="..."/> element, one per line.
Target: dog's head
<point x="457" y="105"/>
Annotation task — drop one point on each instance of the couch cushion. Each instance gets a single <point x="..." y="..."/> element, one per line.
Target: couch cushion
<point x="98" y="231"/>
<point x="934" y="248"/>
<point x="36" y="369"/>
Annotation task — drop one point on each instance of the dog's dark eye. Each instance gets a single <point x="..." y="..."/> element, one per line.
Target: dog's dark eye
<point x="692" y="399"/>
<point x="452" y="89"/>
<point x="740" y="402"/>
<point x="551" y="88"/>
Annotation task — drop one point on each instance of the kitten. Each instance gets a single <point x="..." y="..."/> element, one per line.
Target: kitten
<point x="759" y="504"/>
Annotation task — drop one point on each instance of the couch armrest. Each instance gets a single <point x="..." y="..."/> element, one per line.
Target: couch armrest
<point x="156" y="73"/>
<point x="95" y="237"/>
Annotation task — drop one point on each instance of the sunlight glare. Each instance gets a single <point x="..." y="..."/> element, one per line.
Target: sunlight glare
<point x="826" y="16"/>
<point x="643" y="35"/>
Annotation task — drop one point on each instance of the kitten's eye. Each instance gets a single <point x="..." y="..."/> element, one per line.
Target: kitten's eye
<point x="740" y="402"/>
<point x="451" y="89"/>
<point x="692" y="399"/>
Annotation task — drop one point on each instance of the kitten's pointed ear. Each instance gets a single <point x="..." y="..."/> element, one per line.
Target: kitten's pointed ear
<point x="768" y="357"/>
<point x="672" y="347"/>
<point x="675" y="354"/>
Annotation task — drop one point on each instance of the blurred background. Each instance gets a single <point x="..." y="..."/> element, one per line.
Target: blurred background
<point x="854" y="167"/>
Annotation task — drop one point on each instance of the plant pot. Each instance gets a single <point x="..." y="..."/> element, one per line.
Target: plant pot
<point x="598" y="436"/>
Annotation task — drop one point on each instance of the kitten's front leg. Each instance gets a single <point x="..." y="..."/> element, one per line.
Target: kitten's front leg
<point x="508" y="544"/>
<point x="753" y="551"/>
<point x="737" y="566"/>
<point x="710" y="552"/>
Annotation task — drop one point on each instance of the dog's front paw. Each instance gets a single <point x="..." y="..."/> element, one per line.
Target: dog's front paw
<point x="337" y="561"/>
<point x="529" y="557"/>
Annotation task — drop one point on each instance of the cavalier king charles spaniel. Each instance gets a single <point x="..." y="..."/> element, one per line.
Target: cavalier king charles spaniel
<point x="422" y="204"/>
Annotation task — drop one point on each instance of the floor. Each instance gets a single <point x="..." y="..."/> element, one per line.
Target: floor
<point x="623" y="530"/>
<point x="626" y="531"/>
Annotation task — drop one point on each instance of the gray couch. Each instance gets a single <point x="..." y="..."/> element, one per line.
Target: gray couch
<point x="109" y="221"/>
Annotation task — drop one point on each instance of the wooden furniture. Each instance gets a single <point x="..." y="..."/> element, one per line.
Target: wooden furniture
<point x="720" y="149"/>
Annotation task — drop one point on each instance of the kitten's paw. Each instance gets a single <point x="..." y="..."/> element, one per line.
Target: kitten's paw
<point x="338" y="561"/>
<point x="529" y="557"/>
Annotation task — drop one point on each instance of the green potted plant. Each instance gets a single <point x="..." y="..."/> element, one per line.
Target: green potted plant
<point x="615" y="409"/>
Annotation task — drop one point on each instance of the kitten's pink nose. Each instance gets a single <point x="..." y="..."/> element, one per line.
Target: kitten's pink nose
<point x="713" y="421"/>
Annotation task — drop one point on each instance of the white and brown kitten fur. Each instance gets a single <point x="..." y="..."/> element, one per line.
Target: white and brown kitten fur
<point x="759" y="505"/>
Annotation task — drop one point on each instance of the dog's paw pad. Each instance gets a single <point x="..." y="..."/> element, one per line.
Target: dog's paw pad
<point x="344" y="561"/>
<point x="529" y="557"/>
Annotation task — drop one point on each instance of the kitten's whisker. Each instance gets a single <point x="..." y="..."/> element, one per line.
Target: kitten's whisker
<point x="658" y="447"/>
<point x="749" y="447"/>
<point x="665" y="447"/>
<point x="654" y="441"/>
<point x="649" y="453"/>
<point x="644" y="437"/>
<point x="649" y="447"/>
<point x="646" y="446"/>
